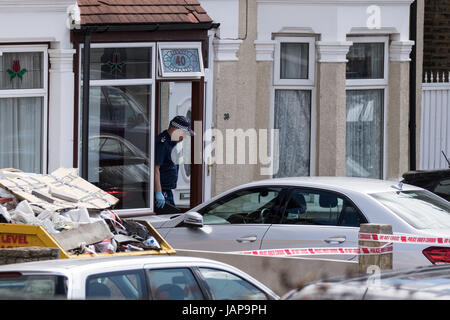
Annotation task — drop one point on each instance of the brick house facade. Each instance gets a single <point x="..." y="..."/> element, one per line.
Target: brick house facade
<point x="437" y="36"/>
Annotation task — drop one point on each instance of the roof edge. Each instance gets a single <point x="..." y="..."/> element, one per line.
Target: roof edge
<point x="146" y="27"/>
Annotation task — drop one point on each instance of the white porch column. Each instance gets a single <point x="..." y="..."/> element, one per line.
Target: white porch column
<point x="61" y="109"/>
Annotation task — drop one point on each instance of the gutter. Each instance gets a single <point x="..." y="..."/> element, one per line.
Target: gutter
<point x="147" y="27"/>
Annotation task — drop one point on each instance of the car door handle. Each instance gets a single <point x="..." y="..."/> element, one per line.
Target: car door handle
<point x="249" y="238"/>
<point x="335" y="239"/>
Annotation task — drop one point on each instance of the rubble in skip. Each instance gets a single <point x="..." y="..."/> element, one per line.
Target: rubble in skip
<point x="76" y="213"/>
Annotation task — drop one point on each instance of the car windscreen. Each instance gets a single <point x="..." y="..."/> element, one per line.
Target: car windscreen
<point x="16" y="285"/>
<point x="420" y="208"/>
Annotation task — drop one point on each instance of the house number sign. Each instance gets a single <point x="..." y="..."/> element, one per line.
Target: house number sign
<point x="180" y="60"/>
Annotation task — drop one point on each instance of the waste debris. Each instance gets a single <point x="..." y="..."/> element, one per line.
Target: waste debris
<point x="79" y="215"/>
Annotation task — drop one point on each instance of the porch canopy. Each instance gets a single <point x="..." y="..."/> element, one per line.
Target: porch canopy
<point x="135" y="12"/>
<point x="123" y="71"/>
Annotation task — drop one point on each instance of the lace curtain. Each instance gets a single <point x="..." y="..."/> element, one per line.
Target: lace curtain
<point x="293" y="120"/>
<point x="365" y="61"/>
<point x="21" y="133"/>
<point x="364" y="142"/>
<point x="294" y="60"/>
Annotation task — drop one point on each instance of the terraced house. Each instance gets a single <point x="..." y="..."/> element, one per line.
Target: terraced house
<point x="90" y="83"/>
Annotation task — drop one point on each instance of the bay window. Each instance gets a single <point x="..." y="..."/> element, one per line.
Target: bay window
<point x="366" y="95"/>
<point x="293" y="104"/>
<point x="23" y="111"/>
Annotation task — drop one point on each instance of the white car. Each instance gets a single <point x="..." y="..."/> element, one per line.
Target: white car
<point x="312" y="212"/>
<point x="130" y="278"/>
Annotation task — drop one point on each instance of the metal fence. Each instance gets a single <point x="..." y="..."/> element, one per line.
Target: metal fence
<point x="435" y="120"/>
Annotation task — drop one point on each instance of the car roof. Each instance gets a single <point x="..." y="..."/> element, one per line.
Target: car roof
<point x="354" y="184"/>
<point x="86" y="263"/>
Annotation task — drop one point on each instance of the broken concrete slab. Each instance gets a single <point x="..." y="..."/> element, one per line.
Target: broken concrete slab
<point x="61" y="190"/>
<point x="89" y="233"/>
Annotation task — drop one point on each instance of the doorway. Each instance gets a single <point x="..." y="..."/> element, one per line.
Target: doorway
<point x="183" y="98"/>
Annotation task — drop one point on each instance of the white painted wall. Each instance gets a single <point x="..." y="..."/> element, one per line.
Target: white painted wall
<point x="332" y="19"/>
<point x="225" y="12"/>
<point x="25" y="21"/>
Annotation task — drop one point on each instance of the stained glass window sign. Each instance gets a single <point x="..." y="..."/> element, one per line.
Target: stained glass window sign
<point x="181" y="60"/>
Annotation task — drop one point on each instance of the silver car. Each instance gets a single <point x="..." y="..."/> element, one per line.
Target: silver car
<point x="130" y="278"/>
<point x="312" y="212"/>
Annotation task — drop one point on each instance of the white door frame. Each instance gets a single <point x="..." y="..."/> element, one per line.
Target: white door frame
<point x="208" y="117"/>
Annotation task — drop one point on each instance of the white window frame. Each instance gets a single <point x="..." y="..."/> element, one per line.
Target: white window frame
<point x="375" y="84"/>
<point x="180" y="75"/>
<point x="311" y="63"/>
<point x="33" y="93"/>
<point x="313" y="124"/>
<point x="372" y="82"/>
<point x="125" y="82"/>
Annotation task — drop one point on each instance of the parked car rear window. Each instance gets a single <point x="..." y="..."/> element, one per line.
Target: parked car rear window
<point x="120" y="285"/>
<point x="227" y="286"/>
<point x="14" y="285"/>
<point x="421" y="209"/>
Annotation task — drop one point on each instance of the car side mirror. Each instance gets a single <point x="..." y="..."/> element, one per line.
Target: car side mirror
<point x="193" y="219"/>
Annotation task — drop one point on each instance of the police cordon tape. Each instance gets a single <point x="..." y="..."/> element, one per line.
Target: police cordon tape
<point x="403" y="238"/>
<point x="388" y="248"/>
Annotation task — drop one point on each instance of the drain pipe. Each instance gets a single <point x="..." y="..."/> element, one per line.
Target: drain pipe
<point x="412" y="86"/>
<point x="85" y="108"/>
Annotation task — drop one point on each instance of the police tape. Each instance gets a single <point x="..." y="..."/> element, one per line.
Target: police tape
<point x="361" y="250"/>
<point x="388" y="248"/>
<point x="403" y="238"/>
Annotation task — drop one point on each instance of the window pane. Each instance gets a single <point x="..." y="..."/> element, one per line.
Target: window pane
<point x="244" y="206"/>
<point x="293" y="120"/>
<point x="21" y="133"/>
<point x="294" y="60"/>
<point x="364" y="142"/>
<point x="227" y="286"/>
<point x="174" y="284"/>
<point x="123" y="285"/>
<point x="309" y="207"/>
<point x="120" y="63"/>
<point x="366" y="61"/>
<point x="119" y="132"/>
<point x="21" y="70"/>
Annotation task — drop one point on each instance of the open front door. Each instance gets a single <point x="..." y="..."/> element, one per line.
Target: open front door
<point x="184" y="98"/>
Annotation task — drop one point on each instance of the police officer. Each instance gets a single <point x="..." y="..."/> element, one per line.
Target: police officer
<point x="166" y="171"/>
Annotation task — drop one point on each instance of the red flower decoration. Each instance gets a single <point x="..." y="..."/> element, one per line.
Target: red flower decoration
<point x="16" y="66"/>
<point x="116" y="58"/>
<point x="115" y="63"/>
<point x="16" y="71"/>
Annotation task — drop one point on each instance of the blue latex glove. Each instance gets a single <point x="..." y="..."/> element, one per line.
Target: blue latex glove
<point x="160" y="200"/>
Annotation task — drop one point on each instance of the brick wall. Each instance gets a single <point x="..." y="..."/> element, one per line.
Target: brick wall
<point x="437" y="36"/>
<point x="27" y="254"/>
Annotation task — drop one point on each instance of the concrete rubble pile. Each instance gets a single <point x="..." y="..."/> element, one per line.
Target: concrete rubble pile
<point x="76" y="213"/>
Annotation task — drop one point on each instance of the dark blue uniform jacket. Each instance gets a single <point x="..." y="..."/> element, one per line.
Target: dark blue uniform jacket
<point x="168" y="169"/>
